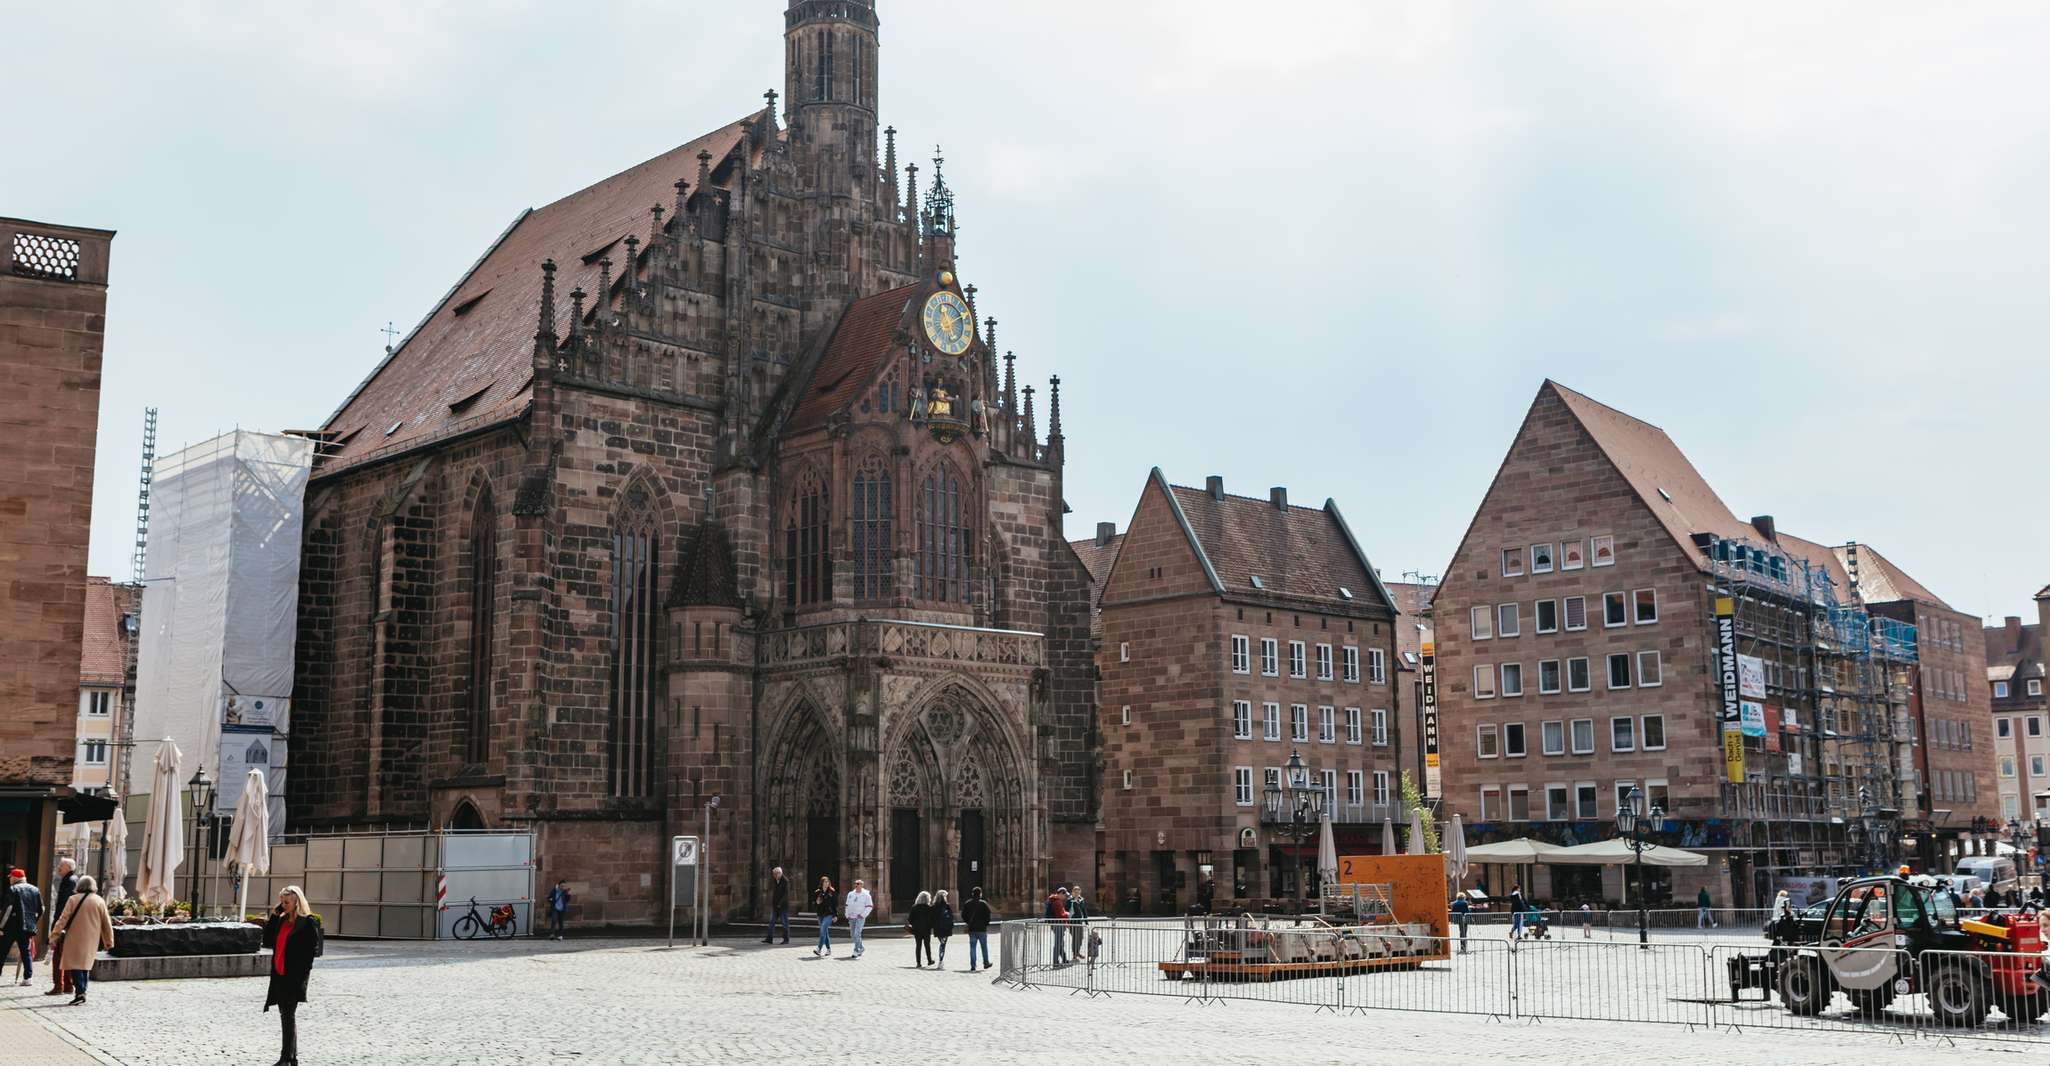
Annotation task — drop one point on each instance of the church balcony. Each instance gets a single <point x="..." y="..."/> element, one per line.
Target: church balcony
<point x="928" y="642"/>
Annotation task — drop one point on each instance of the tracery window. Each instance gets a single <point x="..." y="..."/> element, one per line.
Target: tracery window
<point x="943" y="544"/>
<point x="635" y="621"/>
<point x="807" y="560"/>
<point x="873" y="520"/>
<point x="483" y="616"/>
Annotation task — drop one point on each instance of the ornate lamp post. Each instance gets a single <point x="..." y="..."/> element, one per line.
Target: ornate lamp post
<point x="200" y="790"/>
<point x="1294" y="807"/>
<point x="1636" y="825"/>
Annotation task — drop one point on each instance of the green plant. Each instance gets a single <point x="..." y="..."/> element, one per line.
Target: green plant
<point x="1413" y="799"/>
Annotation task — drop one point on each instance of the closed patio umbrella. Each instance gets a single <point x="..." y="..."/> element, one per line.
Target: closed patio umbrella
<point x="1327" y="856"/>
<point x="249" y="846"/>
<point x="1416" y="832"/>
<point x="163" y="838"/>
<point x="1455" y="850"/>
<point x="1387" y="837"/>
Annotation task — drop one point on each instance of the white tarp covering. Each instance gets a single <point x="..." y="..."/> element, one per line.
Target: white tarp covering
<point x="220" y="602"/>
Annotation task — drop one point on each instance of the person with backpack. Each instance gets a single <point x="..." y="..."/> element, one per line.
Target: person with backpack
<point x="975" y="918"/>
<point x="942" y="925"/>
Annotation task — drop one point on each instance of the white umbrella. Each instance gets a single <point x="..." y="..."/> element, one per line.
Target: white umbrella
<point x="163" y="839"/>
<point x="1616" y="852"/>
<point x="1327" y="856"/>
<point x="1387" y="837"/>
<point x="1416" y="832"/>
<point x="249" y="846"/>
<point x="1455" y="851"/>
<point x="1515" y="852"/>
<point x="116" y="843"/>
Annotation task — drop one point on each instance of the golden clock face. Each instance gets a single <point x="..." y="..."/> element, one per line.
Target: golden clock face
<point x="947" y="324"/>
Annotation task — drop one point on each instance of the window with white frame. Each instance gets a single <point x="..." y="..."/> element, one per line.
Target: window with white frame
<point x="1512" y="679"/>
<point x="1519" y="803"/>
<point x="95" y="753"/>
<point x="1377" y="665"/>
<point x="1242" y="719"/>
<point x="1601" y="551"/>
<point x="1577" y="678"/>
<point x="2036" y="767"/>
<point x="1323" y="662"/>
<point x="1508" y="621"/>
<point x="1483" y="622"/>
<point x="1999" y="690"/>
<point x="1327" y="724"/>
<point x="1615" y="610"/>
<point x="1558" y="803"/>
<point x="1547" y="614"/>
<point x="1299" y="721"/>
<point x="1297" y="664"/>
<point x="1381" y="789"/>
<point x="2035" y="686"/>
<point x="1330" y="789"/>
<point x="1270" y="657"/>
<point x="1512" y="562"/>
<point x="1653" y="733"/>
<point x="98" y="704"/>
<point x="1553" y="736"/>
<point x="1484" y="682"/>
<point x="1128" y="780"/>
<point x="1380" y="727"/>
<point x="1352" y="725"/>
<point x="1548" y="676"/>
<point x="1585" y="794"/>
<point x="1623" y="734"/>
<point x="1355" y="788"/>
<point x="1572" y="554"/>
<point x="1242" y="785"/>
<point x="1124" y="651"/>
<point x="1351" y="659"/>
<point x="1623" y="794"/>
<point x="1647" y="601"/>
<point x="1487" y="741"/>
<point x="1655" y="795"/>
<point x="2003" y="726"/>
<point x="1649" y="674"/>
<point x="1512" y="740"/>
<point x="1619" y="670"/>
<point x="1582" y="731"/>
<point x="1541" y="558"/>
<point x="2007" y="766"/>
<point x="1491" y="802"/>
<point x="1241" y="654"/>
<point x="1271" y="777"/>
<point x="1575" y="610"/>
<point x="1271" y="720"/>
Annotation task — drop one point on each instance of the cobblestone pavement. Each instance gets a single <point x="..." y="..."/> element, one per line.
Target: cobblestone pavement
<point x="634" y="1002"/>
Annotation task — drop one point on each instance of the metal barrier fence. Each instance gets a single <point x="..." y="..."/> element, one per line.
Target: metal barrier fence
<point x="1883" y="991"/>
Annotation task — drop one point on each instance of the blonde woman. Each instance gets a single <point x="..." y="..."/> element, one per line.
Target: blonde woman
<point x="294" y="936"/>
<point x="919" y="922"/>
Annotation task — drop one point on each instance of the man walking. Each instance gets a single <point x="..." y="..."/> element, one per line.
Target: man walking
<point x="67" y="883"/>
<point x="1705" y="916"/>
<point x="779" y="905"/>
<point x="975" y="915"/>
<point x="859" y="906"/>
<point x="1078" y="913"/>
<point x="1461" y="913"/>
<point x="1056" y="916"/>
<point x="20" y="908"/>
<point x="558" y="909"/>
<point x="1515" y="912"/>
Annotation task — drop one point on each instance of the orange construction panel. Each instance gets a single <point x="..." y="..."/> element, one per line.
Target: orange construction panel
<point x="1416" y="884"/>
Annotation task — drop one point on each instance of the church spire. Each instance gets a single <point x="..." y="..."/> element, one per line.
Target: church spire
<point x="911" y="212"/>
<point x="1053" y="413"/>
<point x="890" y="161"/>
<point x="547" y="328"/>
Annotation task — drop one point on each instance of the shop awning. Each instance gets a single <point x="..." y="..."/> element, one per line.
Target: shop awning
<point x="83" y="807"/>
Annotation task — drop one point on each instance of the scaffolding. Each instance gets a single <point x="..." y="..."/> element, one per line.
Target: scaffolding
<point x="1838" y="733"/>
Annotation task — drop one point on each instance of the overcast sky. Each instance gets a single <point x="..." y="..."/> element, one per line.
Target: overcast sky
<point x="1335" y="246"/>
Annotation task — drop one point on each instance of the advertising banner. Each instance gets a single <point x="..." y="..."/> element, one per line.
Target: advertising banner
<point x="1751" y="677"/>
<point x="1726" y="655"/>
<point x="1733" y="755"/>
<point x="1753" y="718"/>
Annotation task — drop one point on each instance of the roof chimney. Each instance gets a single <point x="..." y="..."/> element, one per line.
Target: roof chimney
<point x="1763" y="524"/>
<point x="1214" y="485"/>
<point x="1278" y="496"/>
<point x="2014" y="634"/>
<point x="1104" y="532"/>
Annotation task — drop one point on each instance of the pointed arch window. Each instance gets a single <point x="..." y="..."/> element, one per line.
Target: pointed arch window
<point x="874" y="529"/>
<point x="807" y="559"/>
<point x="942" y="571"/>
<point x="483" y="619"/>
<point x="636" y="564"/>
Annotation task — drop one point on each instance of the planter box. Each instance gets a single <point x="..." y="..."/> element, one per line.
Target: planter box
<point x="188" y="938"/>
<point x="157" y="967"/>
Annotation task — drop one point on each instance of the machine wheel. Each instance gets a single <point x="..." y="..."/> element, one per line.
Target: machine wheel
<point x="1872" y="1004"/>
<point x="1803" y="988"/>
<point x="1958" y="997"/>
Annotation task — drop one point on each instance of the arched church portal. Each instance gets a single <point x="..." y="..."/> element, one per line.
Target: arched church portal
<point x="955" y="804"/>
<point x="803" y="829"/>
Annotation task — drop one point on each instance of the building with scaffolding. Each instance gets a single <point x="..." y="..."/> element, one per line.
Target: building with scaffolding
<point x="1608" y="624"/>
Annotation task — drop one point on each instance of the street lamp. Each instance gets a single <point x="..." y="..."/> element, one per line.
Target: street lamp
<point x="200" y="790"/>
<point x="1636" y="826"/>
<point x="1294" y="807"/>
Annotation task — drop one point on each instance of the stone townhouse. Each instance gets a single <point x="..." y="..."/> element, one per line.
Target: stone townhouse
<point x="2015" y="684"/>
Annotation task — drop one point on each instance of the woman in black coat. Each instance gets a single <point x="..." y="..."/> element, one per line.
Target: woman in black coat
<point x="942" y="924"/>
<point x="293" y="935"/>
<point x="919" y="921"/>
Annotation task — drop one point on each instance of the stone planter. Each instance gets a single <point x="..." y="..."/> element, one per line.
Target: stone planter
<point x="186" y="938"/>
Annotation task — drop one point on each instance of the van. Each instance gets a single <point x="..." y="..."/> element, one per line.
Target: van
<point x="1996" y="870"/>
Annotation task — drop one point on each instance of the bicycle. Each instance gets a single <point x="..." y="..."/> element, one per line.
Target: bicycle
<point x="501" y="923"/>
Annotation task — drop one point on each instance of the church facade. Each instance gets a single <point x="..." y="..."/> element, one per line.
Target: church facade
<point x="708" y="481"/>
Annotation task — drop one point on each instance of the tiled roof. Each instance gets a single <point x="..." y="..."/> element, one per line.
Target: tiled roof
<point x="101" y="658"/>
<point x="861" y="341"/>
<point x="1098" y="557"/>
<point x="1295" y="552"/>
<point x="1880" y="581"/>
<point x="1412" y="600"/>
<point x="1659" y="473"/>
<point x="481" y="335"/>
<point x="2022" y="657"/>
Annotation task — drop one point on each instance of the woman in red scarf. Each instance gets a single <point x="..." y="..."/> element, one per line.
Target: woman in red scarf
<point x="293" y="935"/>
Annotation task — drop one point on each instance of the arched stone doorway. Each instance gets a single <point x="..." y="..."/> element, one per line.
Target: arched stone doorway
<point x="802" y="828"/>
<point x="466" y="816"/>
<point x="955" y="804"/>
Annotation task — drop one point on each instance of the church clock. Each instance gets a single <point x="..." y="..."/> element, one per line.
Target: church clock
<point x="947" y="324"/>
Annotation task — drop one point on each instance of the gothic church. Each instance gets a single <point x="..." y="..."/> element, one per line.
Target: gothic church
<point x="707" y="481"/>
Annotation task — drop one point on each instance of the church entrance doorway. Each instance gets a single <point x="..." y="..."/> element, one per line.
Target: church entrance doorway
<point x="905" y="868"/>
<point x="970" y="872"/>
